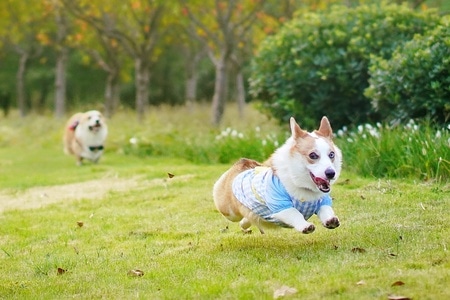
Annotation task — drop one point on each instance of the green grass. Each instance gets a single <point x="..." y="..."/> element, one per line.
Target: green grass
<point x="391" y="230"/>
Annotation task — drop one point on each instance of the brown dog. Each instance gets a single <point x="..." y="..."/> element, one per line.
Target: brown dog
<point x="85" y="135"/>
<point x="286" y="190"/>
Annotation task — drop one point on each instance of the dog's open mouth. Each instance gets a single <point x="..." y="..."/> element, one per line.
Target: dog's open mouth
<point x="322" y="184"/>
<point x="95" y="127"/>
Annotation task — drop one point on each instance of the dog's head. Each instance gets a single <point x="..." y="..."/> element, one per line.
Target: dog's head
<point x="92" y="120"/>
<point x="316" y="160"/>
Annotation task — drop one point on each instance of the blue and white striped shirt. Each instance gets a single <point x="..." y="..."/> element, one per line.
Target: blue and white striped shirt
<point x="263" y="193"/>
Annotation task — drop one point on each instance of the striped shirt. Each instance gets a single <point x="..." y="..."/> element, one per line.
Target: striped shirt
<point x="263" y="193"/>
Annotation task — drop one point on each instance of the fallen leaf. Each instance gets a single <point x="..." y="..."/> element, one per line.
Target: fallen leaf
<point x="395" y="297"/>
<point x="80" y="223"/>
<point x="358" y="250"/>
<point x="284" y="291"/>
<point x="362" y="197"/>
<point x="170" y="175"/>
<point x="398" y="283"/>
<point x="361" y="282"/>
<point x="135" y="273"/>
<point x="61" y="271"/>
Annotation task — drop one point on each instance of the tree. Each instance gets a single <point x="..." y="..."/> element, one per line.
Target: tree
<point x="20" y="22"/>
<point x="221" y="27"/>
<point x="107" y="54"/>
<point x="135" y="26"/>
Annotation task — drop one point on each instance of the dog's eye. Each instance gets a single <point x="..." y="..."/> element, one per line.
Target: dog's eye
<point x="331" y="155"/>
<point x="313" y="155"/>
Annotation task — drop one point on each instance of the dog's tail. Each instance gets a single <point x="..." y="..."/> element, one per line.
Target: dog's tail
<point x="245" y="164"/>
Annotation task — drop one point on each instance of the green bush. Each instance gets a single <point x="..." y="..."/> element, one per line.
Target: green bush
<point x="415" y="82"/>
<point x="317" y="64"/>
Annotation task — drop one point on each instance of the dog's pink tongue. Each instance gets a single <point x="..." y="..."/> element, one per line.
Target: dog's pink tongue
<point x="322" y="184"/>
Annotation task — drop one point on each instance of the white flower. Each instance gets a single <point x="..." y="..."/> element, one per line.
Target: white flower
<point x="133" y="141"/>
<point x="438" y="134"/>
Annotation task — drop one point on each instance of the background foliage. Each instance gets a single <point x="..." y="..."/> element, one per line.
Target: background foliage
<point x="415" y="82"/>
<point x="317" y="64"/>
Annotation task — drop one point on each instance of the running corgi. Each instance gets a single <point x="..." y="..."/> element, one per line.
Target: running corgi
<point x="286" y="190"/>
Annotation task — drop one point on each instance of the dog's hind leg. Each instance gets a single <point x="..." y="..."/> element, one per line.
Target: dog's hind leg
<point x="245" y="225"/>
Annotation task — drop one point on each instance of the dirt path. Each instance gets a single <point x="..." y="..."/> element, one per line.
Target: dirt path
<point x="40" y="196"/>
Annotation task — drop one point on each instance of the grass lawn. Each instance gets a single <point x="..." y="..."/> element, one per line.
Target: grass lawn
<point x="393" y="239"/>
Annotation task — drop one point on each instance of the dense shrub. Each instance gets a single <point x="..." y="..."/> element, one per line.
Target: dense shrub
<point x="318" y="63"/>
<point x="415" y="82"/>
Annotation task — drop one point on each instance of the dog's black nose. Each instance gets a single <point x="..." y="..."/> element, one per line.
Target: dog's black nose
<point x="330" y="173"/>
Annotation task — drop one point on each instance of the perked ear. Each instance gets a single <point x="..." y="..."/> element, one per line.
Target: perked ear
<point x="296" y="131"/>
<point x="325" y="128"/>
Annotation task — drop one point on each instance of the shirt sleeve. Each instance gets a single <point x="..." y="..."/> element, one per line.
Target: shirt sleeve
<point x="277" y="197"/>
<point x="326" y="200"/>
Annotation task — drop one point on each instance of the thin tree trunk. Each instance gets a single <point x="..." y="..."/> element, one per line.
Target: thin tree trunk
<point x="191" y="84"/>
<point x="240" y="93"/>
<point x="220" y="88"/>
<point x="20" y="78"/>
<point x="111" y="93"/>
<point x="61" y="63"/>
<point x="60" y="83"/>
<point x="192" y="78"/>
<point x="142" y="87"/>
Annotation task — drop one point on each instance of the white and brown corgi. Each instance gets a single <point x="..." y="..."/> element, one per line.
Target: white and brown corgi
<point x="286" y="190"/>
<point x="85" y="135"/>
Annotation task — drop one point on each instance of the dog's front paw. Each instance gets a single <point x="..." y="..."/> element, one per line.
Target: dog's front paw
<point x="308" y="229"/>
<point x="332" y="223"/>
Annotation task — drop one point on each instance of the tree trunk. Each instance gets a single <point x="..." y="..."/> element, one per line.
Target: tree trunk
<point x="111" y="93"/>
<point x="20" y="77"/>
<point x="220" y="88"/>
<point x="142" y="74"/>
<point x="60" y="83"/>
<point x="192" y="78"/>
<point x="240" y="93"/>
<point x="191" y="84"/>
<point x="61" y="62"/>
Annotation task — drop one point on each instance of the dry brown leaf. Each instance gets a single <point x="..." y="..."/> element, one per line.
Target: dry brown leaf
<point x="398" y="283"/>
<point x="358" y="250"/>
<point x="170" y="175"/>
<point x="135" y="273"/>
<point x="80" y="223"/>
<point x="61" y="271"/>
<point x="284" y="291"/>
<point x="395" y="297"/>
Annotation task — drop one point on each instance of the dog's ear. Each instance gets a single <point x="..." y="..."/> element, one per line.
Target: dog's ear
<point x="296" y="131"/>
<point x="325" y="128"/>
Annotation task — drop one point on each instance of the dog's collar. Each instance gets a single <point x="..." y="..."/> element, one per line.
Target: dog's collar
<point x="96" y="148"/>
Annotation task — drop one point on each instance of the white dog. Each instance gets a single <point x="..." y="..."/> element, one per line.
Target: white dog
<point x="85" y="135"/>
<point x="288" y="188"/>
